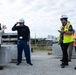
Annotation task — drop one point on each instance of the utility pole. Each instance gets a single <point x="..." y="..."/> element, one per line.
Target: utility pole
<point x="35" y="38"/>
<point x="0" y="26"/>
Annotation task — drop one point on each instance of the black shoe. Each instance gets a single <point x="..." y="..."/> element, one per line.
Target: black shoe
<point x="18" y="63"/>
<point x="75" y="68"/>
<point x="62" y="65"/>
<point x="66" y="64"/>
<point x="30" y="64"/>
<point x="61" y="60"/>
<point x="1" y="68"/>
<point x="69" y="60"/>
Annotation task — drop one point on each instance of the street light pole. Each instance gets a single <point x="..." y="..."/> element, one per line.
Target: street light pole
<point x="35" y="38"/>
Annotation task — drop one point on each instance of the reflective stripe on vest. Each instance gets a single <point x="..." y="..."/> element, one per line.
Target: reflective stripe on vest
<point x="67" y="37"/>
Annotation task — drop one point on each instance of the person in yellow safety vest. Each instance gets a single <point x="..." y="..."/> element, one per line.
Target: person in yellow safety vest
<point x="65" y="38"/>
<point x="75" y="44"/>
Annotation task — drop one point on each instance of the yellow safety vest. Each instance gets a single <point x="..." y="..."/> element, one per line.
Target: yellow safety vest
<point x="67" y="38"/>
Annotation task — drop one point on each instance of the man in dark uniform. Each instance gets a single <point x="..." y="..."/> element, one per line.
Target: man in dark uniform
<point x="23" y="41"/>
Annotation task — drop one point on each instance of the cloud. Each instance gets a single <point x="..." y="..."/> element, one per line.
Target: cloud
<point x="11" y="1"/>
<point x="42" y="16"/>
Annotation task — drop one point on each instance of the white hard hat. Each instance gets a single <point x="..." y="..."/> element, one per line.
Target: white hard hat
<point x="21" y="20"/>
<point x="64" y="16"/>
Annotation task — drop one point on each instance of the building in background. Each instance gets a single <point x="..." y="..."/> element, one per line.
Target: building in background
<point x="51" y="38"/>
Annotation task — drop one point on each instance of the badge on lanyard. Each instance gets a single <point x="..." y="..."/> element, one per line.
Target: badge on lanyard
<point x="21" y="37"/>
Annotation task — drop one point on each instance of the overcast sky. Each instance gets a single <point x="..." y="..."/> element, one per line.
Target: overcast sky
<point x="42" y="16"/>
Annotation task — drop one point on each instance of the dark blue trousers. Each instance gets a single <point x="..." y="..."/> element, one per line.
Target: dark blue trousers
<point x="22" y="45"/>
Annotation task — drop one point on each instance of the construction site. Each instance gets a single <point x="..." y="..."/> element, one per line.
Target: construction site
<point x="45" y="61"/>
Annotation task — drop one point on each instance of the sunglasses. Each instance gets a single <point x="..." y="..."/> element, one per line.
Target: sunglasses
<point x="20" y="23"/>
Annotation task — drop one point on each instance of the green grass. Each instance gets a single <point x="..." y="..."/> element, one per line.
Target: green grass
<point x="41" y="49"/>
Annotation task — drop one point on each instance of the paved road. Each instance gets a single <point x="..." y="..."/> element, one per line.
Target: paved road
<point x="43" y="65"/>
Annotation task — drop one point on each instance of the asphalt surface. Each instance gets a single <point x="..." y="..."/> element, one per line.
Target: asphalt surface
<point x="43" y="64"/>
